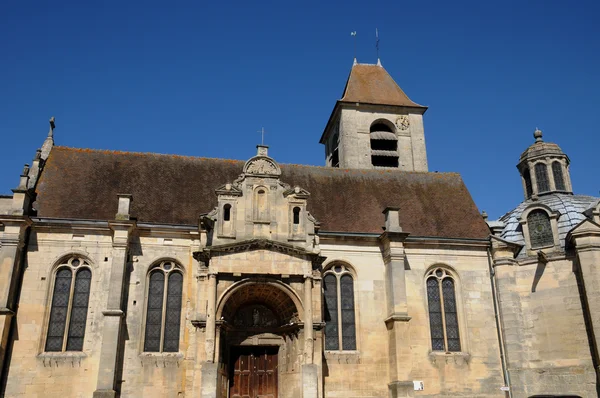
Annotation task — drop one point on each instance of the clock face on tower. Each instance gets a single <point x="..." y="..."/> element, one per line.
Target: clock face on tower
<point x="402" y="122"/>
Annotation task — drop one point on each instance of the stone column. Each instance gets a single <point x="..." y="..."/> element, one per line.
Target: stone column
<point x="308" y="321"/>
<point x="12" y="243"/>
<point x="310" y="375"/>
<point x="113" y="314"/>
<point x="211" y="367"/>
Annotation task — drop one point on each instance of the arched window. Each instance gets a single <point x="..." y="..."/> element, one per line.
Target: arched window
<point x="68" y="313"/>
<point x="559" y="181"/>
<point x="260" y="202"/>
<point x="540" y="229"/>
<point x="541" y="175"/>
<point x="443" y="314"/>
<point x="384" y="145"/>
<point x="296" y="215"/>
<point x="227" y="212"/>
<point x="340" y="323"/>
<point x="528" y="188"/>
<point x="335" y="153"/>
<point x="163" y="309"/>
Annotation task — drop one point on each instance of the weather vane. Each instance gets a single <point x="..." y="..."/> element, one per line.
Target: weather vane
<point x="354" y="35"/>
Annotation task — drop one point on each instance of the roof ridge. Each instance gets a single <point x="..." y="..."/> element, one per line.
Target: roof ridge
<point x="333" y="169"/>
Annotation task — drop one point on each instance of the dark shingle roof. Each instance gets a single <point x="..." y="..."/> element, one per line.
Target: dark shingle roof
<point x="83" y="184"/>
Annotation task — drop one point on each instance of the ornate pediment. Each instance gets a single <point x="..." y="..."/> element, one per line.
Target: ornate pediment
<point x="297" y="192"/>
<point x="262" y="166"/>
<point x="229" y="189"/>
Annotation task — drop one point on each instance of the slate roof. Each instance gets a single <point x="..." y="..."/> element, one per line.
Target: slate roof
<point x="371" y="84"/>
<point x="570" y="207"/>
<point x="168" y="189"/>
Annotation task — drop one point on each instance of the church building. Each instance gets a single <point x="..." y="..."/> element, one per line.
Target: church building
<point x="128" y="274"/>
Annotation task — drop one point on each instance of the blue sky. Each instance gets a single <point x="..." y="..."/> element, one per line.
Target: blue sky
<point x="200" y="78"/>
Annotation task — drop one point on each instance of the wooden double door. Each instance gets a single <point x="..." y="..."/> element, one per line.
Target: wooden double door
<point x="254" y="372"/>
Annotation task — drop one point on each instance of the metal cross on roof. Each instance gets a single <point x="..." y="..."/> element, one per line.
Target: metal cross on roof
<point x="262" y="135"/>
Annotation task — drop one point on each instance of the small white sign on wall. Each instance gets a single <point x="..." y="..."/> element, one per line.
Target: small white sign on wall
<point x="418" y="385"/>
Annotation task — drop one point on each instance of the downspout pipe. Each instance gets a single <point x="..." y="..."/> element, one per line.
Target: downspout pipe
<point x="497" y="317"/>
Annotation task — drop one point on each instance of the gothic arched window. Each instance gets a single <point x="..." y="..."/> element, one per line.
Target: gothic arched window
<point x="163" y="308"/>
<point x="340" y="322"/>
<point x="384" y="145"/>
<point x="443" y="313"/>
<point x="68" y="313"/>
<point x="541" y="176"/>
<point x="540" y="229"/>
<point x="559" y="181"/>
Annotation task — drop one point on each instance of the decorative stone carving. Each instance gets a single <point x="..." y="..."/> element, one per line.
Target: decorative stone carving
<point x="261" y="166"/>
<point x="255" y="316"/>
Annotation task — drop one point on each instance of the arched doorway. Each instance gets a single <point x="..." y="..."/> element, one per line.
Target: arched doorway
<point x="260" y="327"/>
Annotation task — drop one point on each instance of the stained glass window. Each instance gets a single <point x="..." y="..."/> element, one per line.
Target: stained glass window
<point x="70" y="296"/>
<point x="81" y="296"/>
<point x="332" y="340"/>
<point x="540" y="229"/>
<point x="173" y="312"/>
<point x="340" y="321"/>
<point x="163" y="309"/>
<point x="541" y="175"/>
<point x="435" y="314"/>
<point x="559" y="181"/>
<point x="528" y="188"/>
<point x="443" y="313"/>
<point x="348" y="325"/>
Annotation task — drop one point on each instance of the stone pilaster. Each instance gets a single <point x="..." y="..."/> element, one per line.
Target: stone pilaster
<point x="114" y="312"/>
<point x="12" y="243"/>
<point x="400" y="362"/>
<point x="310" y="375"/>
<point x="586" y="239"/>
<point x="210" y="368"/>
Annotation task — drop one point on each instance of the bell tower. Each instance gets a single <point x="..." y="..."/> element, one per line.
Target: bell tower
<point x="375" y="125"/>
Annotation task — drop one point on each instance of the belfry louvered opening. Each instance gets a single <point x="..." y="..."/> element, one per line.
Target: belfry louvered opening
<point x="384" y="145"/>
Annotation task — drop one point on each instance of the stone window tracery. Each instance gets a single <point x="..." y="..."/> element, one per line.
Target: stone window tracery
<point x="163" y="308"/>
<point x="541" y="176"/>
<point x="540" y="229"/>
<point x="340" y="319"/>
<point x="443" y="313"/>
<point x="559" y="181"/>
<point x="68" y="312"/>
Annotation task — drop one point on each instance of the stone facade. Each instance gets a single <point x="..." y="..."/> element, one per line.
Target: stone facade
<point x="175" y="309"/>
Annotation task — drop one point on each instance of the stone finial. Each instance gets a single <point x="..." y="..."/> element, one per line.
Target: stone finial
<point x="52" y="125"/>
<point x="124" y="207"/>
<point x="537" y="134"/>
<point x="24" y="178"/>
<point x="484" y="215"/>
<point x="38" y="154"/>
<point x="392" y="219"/>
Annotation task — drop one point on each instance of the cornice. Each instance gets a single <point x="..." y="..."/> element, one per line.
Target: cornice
<point x="257" y="244"/>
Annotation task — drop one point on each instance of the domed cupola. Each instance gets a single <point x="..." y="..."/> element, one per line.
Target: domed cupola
<point x="544" y="168"/>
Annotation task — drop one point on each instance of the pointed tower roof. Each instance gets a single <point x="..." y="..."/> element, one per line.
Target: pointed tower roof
<point x="372" y="84"/>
